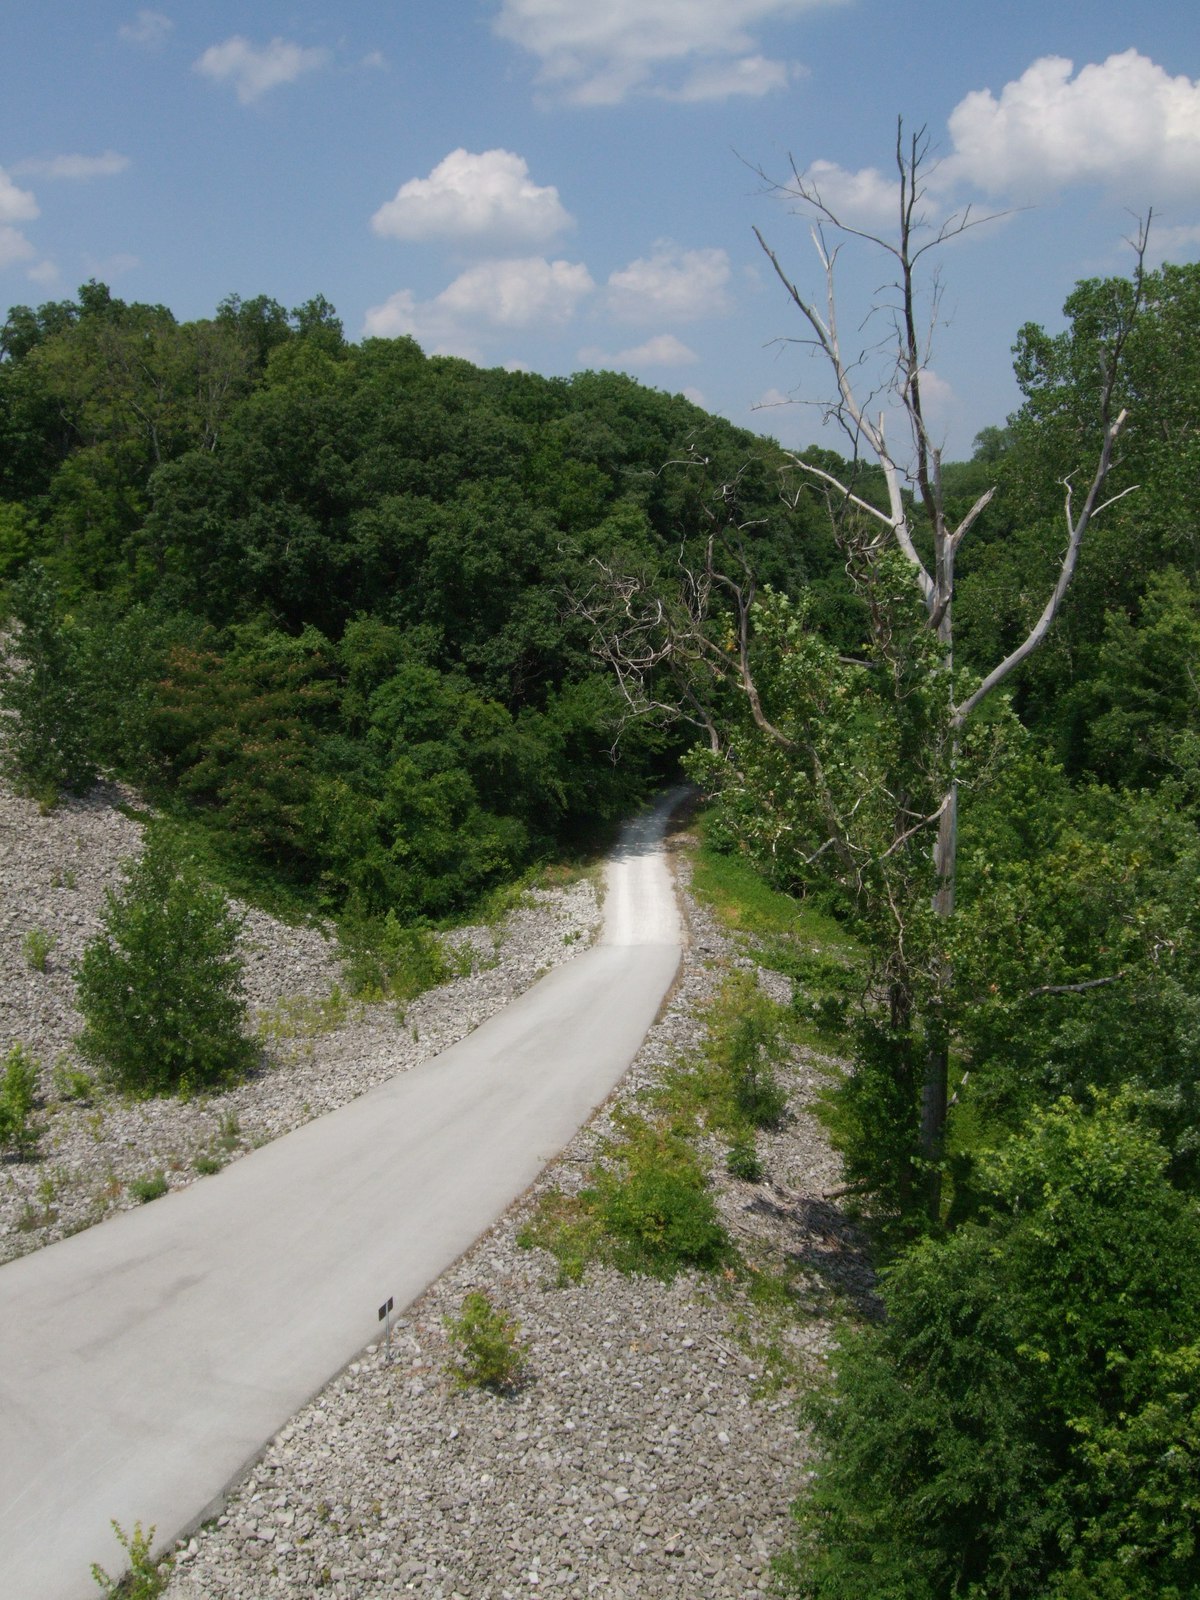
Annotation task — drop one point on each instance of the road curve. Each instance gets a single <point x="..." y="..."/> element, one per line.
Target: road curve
<point x="145" y="1362"/>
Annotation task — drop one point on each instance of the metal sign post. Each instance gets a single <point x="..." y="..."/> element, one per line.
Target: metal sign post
<point x="385" y="1315"/>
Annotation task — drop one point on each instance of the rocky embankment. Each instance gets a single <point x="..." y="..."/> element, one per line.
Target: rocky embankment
<point x="653" y="1448"/>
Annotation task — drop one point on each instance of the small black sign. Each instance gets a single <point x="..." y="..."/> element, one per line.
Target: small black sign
<point x="384" y="1309"/>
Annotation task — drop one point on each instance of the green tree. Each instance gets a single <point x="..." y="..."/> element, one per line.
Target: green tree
<point x="1025" y="1424"/>
<point x="160" y="989"/>
<point x="46" y="739"/>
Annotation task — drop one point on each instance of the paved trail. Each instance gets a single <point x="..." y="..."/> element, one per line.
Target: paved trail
<point x="145" y="1362"/>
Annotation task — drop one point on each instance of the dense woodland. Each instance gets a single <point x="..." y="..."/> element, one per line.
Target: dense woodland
<point x="340" y="605"/>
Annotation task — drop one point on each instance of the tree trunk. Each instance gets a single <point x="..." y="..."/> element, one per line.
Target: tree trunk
<point x="934" y="1089"/>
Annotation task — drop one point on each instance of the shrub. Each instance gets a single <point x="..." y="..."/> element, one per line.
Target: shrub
<point x="161" y="988"/>
<point x="656" y="1206"/>
<point x="18" y="1088"/>
<point x="37" y="945"/>
<point x="385" y="960"/>
<point x="744" y="1044"/>
<point x="1026" y="1423"/>
<point x="46" y="746"/>
<point x="488" y="1350"/>
<point x="743" y="1162"/>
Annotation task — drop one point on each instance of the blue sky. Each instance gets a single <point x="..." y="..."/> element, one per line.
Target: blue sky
<point x="558" y="184"/>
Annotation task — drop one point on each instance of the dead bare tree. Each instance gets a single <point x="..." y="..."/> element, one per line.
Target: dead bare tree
<point x="651" y="636"/>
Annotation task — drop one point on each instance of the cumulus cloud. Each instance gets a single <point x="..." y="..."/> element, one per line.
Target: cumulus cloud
<point x="14" y="246"/>
<point x="865" y="199"/>
<point x="518" y="293"/>
<point x="664" y="349"/>
<point x="672" y="285"/>
<point x="489" y="196"/>
<point x="16" y="205"/>
<point x="512" y="294"/>
<point x="148" y="30"/>
<point x="254" y="69"/>
<point x="597" y="55"/>
<point x="752" y="75"/>
<point x="1124" y="124"/>
<point x="72" y="166"/>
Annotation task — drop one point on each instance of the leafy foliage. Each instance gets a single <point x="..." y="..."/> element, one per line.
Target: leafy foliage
<point x="487" y="1345"/>
<point x="18" y="1096"/>
<point x="1025" y="1423"/>
<point x="161" y="988"/>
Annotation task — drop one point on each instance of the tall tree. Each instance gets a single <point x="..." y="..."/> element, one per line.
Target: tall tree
<point x="856" y="759"/>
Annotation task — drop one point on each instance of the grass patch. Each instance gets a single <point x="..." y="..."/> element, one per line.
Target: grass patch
<point x="147" y="1189"/>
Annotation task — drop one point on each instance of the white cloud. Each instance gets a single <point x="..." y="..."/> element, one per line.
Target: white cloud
<point x="664" y="350"/>
<point x="1124" y="124"/>
<point x="489" y="197"/>
<point x="374" y="58"/>
<point x="44" y="272"/>
<point x="520" y="293"/>
<point x="864" y="199"/>
<point x="597" y="54"/>
<point x="14" y="246"/>
<point x="752" y="75"/>
<point x="771" y="398"/>
<point x="16" y="205"/>
<point x="672" y="284"/>
<point x="73" y="166"/>
<point x="254" y="69"/>
<point x="149" y="29"/>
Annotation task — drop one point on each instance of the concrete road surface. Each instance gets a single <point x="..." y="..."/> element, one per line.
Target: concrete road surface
<point x="145" y="1362"/>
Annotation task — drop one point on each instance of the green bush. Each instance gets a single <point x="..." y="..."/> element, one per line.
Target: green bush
<point x="151" y="1188"/>
<point x="385" y="960"/>
<point x="18" y="1088"/>
<point x="743" y="1162"/>
<point x="46" y="746"/>
<point x="656" y="1206"/>
<point x="487" y="1345"/>
<point x="1025" y="1425"/>
<point x="161" y="988"/>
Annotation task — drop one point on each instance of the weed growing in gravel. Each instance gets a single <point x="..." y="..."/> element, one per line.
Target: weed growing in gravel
<point x="648" y="1209"/>
<point x="36" y="946"/>
<point x="488" y="1353"/>
<point x="18" y="1089"/>
<point x="146" y="1578"/>
<point x="146" y="1189"/>
<point x="72" y="1082"/>
<point x="301" y="1017"/>
<point x="206" y="1165"/>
